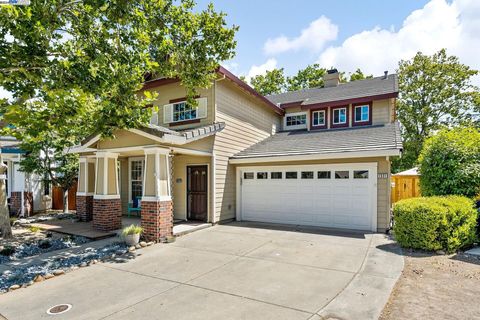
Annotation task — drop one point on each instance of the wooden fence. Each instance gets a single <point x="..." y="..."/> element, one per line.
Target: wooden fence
<point x="57" y="198"/>
<point x="404" y="187"/>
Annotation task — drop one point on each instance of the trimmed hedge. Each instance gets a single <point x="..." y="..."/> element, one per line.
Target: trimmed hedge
<point x="434" y="223"/>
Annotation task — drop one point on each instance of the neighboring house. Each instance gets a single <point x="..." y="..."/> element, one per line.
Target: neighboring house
<point x="316" y="157"/>
<point x="26" y="193"/>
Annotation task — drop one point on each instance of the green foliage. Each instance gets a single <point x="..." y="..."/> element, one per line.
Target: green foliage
<point x="310" y="77"/>
<point x="271" y="83"/>
<point x="434" y="223"/>
<point x="77" y="67"/>
<point x="132" y="229"/>
<point x="358" y="75"/>
<point x="450" y="163"/>
<point x="34" y="229"/>
<point x="435" y="91"/>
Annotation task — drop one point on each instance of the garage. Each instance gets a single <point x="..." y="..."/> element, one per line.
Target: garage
<point x="334" y="195"/>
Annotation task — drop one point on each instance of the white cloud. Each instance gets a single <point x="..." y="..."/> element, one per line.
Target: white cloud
<point x="314" y="38"/>
<point x="255" y="70"/>
<point x="439" y="24"/>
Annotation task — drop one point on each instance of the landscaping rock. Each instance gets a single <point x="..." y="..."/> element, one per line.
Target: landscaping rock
<point x="150" y="243"/>
<point x="137" y="246"/>
<point x="48" y="276"/>
<point x="14" y="287"/>
<point x="440" y="252"/>
<point x="58" y="272"/>
<point x="83" y="265"/>
<point x="38" y="278"/>
<point x="143" y="244"/>
<point x="131" y="249"/>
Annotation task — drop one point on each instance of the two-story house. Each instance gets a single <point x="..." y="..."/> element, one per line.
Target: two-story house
<point x="317" y="157"/>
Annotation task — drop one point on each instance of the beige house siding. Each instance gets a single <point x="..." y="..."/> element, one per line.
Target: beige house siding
<point x="247" y="121"/>
<point x="176" y="91"/>
<point x="381" y="111"/>
<point x="383" y="185"/>
<point x="124" y="138"/>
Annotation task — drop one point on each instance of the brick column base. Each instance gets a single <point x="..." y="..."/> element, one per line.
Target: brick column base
<point x="85" y="208"/>
<point x="16" y="203"/>
<point x="157" y="220"/>
<point x="107" y="214"/>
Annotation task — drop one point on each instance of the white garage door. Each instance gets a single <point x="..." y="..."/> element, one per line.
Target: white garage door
<point x="337" y="196"/>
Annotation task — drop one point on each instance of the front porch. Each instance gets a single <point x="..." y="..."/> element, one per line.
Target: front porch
<point x="152" y="186"/>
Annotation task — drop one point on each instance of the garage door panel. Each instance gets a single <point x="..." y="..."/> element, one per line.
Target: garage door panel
<point x="339" y="203"/>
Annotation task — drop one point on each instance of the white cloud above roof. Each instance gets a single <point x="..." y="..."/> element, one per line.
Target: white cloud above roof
<point x="313" y="38"/>
<point x="255" y="70"/>
<point x="439" y="24"/>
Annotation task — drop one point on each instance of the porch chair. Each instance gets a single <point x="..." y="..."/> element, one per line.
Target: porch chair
<point x="135" y="206"/>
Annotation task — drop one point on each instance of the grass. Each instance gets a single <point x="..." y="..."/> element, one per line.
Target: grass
<point x="34" y="229"/>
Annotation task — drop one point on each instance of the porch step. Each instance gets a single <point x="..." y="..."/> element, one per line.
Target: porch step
<point x="182" y="229"/>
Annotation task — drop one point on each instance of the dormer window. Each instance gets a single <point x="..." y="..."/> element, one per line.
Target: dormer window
<point x="319" y="118"/>
<point x="362" y="114"/>
<point x="339" y="117"/>
<point x="295" y="121"/>
<point x="179" y="112"/>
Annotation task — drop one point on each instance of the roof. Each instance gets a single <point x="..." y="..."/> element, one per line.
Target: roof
<point x="227" y="74"/>
<point x="409" y="172"/>
<point x="345" y="92"/>
<point x="288" y="143"/>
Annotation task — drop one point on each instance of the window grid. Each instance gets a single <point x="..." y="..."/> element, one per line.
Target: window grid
<point x="319" y="118"/>
<point x="296" y="120"/>
<point x="182" y="111"/>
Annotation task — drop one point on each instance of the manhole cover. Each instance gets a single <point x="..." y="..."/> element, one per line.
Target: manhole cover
<point x="59" y="309"/>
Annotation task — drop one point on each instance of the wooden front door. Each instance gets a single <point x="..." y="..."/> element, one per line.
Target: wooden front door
<point x="197" y="196"/>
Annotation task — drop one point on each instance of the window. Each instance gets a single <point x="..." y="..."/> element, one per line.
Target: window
<point x="296" y="120"/>
<point x="248" y="175"/>
<point x="291" y="175"/>
<point x="360" y="174"/>
<point x="182" y="112"/>
<point x="136" y="180"/>
<point x="318" y="118"/>
<point x="342" y="174"/>
<point x="340" y="116"/>
<point x="262" y="175"/>
<point x="307" y="174"/>
<point x="276" y="175"/>
<point x="323" y="174"/>
<point x="362" y="113"/>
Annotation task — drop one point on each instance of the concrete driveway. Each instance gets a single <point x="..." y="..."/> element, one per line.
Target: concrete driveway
<point x="233" y="271"/>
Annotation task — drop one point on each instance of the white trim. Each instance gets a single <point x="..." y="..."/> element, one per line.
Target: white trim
<point x="213" y="188"/>
<point x="130" y="159"/>
<point x="324" y="118"/>
<point x="341" y="155"/>
<point x="159" y="198"/>
<point x="155" y="150"/>
<point x="373" y="166"/>
<point x="106" y="196"/>
<point x="333" y="115"/>
<point x="167" y="138"/>
<point x="294" y="127"/>
<point x="191" y="152"/>
<point x="85" y="194"/>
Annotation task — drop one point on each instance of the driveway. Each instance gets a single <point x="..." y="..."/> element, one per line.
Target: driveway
<point x="233" y="271"/>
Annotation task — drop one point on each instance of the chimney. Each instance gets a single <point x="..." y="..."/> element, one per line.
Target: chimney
<point x="331" y="78"/>
<point x="386" y="74"/>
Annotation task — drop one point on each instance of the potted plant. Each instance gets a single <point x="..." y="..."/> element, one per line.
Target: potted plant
<point x="131" y="234"/>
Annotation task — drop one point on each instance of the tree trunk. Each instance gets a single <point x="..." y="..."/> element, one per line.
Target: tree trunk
<point x="65" y="201"/>
<point x="5" y="227"/>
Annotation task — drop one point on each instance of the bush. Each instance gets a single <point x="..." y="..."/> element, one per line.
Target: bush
<point x="450" y="163"/>
<point x="434" y="223"/>
<point x="132" y="229"/>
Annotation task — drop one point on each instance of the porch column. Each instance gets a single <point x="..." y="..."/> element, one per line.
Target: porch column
<point x="107" y="206"/>
<point x="85" y="188"/>
<point x="157" y="214"/>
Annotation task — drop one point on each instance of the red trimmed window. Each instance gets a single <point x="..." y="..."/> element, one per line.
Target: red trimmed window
<point x="319" y="119"/>
<point x="339" y="117"/>
<point x="362" y="114"/>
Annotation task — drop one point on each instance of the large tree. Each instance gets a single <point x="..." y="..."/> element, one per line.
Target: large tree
<point x="272" y="82"/>
<point x="358" y="75"/>
<point x="435" y="91"/>
<point x="78" y="67"/>
<point x="309" y="77"/>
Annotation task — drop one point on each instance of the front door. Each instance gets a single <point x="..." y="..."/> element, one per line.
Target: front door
<point x="197" y="196"/>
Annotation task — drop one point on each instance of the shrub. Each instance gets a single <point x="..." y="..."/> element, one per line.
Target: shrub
<point x="132" y="229"/>
<point x="434" y="223"/>
<point x="450" y="163"/>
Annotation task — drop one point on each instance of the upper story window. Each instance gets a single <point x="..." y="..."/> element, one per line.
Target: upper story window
<point x="180" y="112"/>
<point x="362" y="114"/>
<point x="296" y="120"/>
<point x="319" y="118"/>
<point x="339" y="116"/>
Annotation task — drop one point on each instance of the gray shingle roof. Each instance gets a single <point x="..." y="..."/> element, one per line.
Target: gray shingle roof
<point x="372" y="138"/>
<point x="344" y="91"/>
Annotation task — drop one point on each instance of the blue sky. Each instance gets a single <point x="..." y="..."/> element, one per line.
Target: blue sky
<point x="372" y="35"/>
